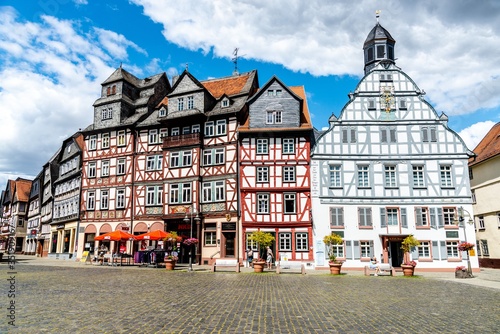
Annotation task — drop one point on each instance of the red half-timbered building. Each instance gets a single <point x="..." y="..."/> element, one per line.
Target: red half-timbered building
<point x="108" y="157"/>
<point x="275" y="143"/>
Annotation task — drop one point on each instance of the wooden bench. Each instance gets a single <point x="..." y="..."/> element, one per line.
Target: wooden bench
<point x="290" y="265"/>
<point x="226" y="263"/>
<point x="385" y="270"/>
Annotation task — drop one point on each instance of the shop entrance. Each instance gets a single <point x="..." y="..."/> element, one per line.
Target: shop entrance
<point x="229" y="242"/>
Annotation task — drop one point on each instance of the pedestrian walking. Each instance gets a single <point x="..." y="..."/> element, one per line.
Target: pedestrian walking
<point x="249" y="257"/>
<point x="269" y="259"/>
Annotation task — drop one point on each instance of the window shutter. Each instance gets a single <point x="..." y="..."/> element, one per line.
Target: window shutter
<point x="435" y="250"/>
<point x="383" y="222"/>
<point x="393" y="135"/>
<point x="368" y="213"/>
<point x="383" y="135"/>
<point x="414" y="253"/>
<point x="372" y="249"/>
<point x="341" y="217"/>
<point x="433" y="134"/>
<point x="344" y="136"/>
<point x="348" y="249"/>
<point x="440" y="217"/>
<point x="432" y="212"/>
<point x="404" y="221"/>
<point x="444" y="252"/>
<point x="418" y="216"/>
<point x="357" y="251"/>
<point x="425" y="135"/>
<point x="353" y="135"/>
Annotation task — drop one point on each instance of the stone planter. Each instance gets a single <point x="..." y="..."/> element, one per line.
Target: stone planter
<point x="335" y="268"/>
<point x="462" y="274"/>
<point x="169" y="264"/>
<point x="408" y="270"/>
<point x="258" y="266"/>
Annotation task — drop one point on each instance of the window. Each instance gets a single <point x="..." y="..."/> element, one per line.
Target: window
<point x="348" y="135"/>
<point x="91" y="200"/>
<point x="392" y="217"/>
<point x="92" y="142"/>
<point x="337" y="250"/>
<point x="335" y="176"/>
<point x="121" y="138"/>
<point x="336" y="217"/>
<point x="402" y="104"/>
<point x="371" y="104"/>
<point x="209" y="129"/>
<point x="365" y="217"/>
<point x="446" y="179"/>
<point x="262" y="146"/>
<point x="120" y="199"/>
<point x="288" y="146"/>
<point x="105" y="168"/>
<point x="365" y="248"/>
<point x="153" y="162"/>
<point x="180" y="104"/>
<point x="484" y="247"/>
<point x="221" y="127"/>
<point x="213" y="156"/>
<point x="262" y="174"/>
<point x="180" y="159"/>
<point x="429" y="134"/>
<point x="153" y="136"/>
<point x="363" y="176"/>
<point x="180" y="193"/>
<point x="154" y="195"/>
<point x="262" y="203"/>
<point x="175" y="159"/>
<point x="210" y="238"/>
<point x="273" y="117"/>
<point x="195" y="128"/>
<point x="20" y="222"/>
<point x="481" y="222"/>
<point x="213" y="191"/>
<point x="92" y="169"/>
<point x="418" y="176"/>
<point x="289" y="174"/>
<point x="186" y="158"/>
<point x="301" y="242"/>
<point x="424" y="250"/>
<point x="162" y="112"/>
<point x="421" y="217"/>
<point x="274" y="92"/>
<point x="175" y="131"/>
<point x="285" y="241"/>
<point x="452" y="249"/>
<point x="380" y="51"/>
<point x="289" y="203"/>
<point x="388" y="135"/>
<point x="107" y="113"/>
<point x="249" y="243"/>
<point x="390" y="176"/>
<point x="190" y="101"/>
<point x="163" y="133"/>
<point x="225" y="103"/>
<point x="186" y="130"/>
<point x="449" y="216"/>
<point x="104" y="199"/>
<point x="105" y="140"/>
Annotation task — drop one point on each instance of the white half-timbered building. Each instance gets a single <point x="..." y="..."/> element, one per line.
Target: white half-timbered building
<point x="108" y="170"/>
<point x="387" y="167"/>
<point x="275" y="142"/>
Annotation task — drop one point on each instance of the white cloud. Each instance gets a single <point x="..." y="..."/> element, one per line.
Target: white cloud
<point x="51" y="74"/>
<point x="445" y="47"/>
<point x="475" y="133"/>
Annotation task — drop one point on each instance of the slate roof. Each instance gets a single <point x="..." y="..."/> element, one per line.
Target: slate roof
<point x="489" y="146"/>
<point x="378" y="32"/>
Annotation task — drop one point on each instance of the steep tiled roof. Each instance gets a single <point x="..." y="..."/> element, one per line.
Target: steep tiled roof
<point x="229" y="85"/>
<point x="488" y="147"/>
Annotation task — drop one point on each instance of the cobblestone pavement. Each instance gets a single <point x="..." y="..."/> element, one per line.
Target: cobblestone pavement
<point x="78" y="298"/>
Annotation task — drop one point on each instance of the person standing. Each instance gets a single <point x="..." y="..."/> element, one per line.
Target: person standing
<point x="249" y="257"/>
<point x="269" y="259"/>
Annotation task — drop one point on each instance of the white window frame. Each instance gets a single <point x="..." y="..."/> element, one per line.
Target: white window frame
<point x="221" y="127"/>
<point x="263" y="203"/>
<point x="288" y="174"/>
<point x="153" y="137"/>
<point x="335" y="176"/>
<point x="154" y="195"/>
<point x="105" y="140"/>
<point x="390" y="176"/>
<point x="424" y="250"/>
<point x="262" y="146"/>
<point x="91" y="200"/>
<point x="104" y="200"/>
<point x="120" y="198"/>
<point x="301" y="241"/>
<point x="288" y="146"/>
<point x="120" y="138"/>
<point x="262" y="173"/>
<point x="175" y="131"/>
<point x="285" y="241"/>
<point x="452" y="249"/>
<point x="418" y="172"/>
<point x="92" y="170"/>
<point x="289" y="198"/>
<point x="363" y="176"/>
<point x="446" y="176"/>
<point x="392" y="216"/>
<point x="209" y="129"/>
<point x="180" y="104"/>
<point x="104" y="168"/>
<point x="190" y="102"/>
<point x="154" y="162"/>
<point x="92" y="142"/>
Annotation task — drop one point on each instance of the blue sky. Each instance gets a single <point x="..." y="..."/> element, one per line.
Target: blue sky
<point x="55" y="53"/>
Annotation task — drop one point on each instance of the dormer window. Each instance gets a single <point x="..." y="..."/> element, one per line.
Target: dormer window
<point x="162" y="112"/>
<point x="225" y="103"/>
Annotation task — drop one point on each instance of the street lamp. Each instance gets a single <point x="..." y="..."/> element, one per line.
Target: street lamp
<point x="190" y="220"/>
<point x="461" y="221"/>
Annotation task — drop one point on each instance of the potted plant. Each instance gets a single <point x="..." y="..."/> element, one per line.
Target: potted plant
<point x="263" y="239"/>
<point x="171" y="254"/>
<point x="333" y="240"/>
<point x="408" y="265"/>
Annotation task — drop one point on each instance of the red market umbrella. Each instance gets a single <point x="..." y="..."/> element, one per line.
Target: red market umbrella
<point x="155" y="235"/>
<point x="118" y="235"/>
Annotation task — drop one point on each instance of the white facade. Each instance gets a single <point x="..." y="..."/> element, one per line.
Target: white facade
<point x="388" y="167"/>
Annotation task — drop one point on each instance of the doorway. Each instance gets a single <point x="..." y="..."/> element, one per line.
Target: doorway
<point x="229" y="242"/>
<point x="395" y="253"/>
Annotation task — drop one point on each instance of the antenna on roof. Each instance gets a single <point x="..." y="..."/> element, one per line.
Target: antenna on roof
<point x="187" y="66"/>
<point x="235" y="61"/>
<point x="377" y="14"/>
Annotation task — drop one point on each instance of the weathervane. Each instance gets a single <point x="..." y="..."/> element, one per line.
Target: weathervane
<point x="235" y="61"/>
<point x="377" y="14"/>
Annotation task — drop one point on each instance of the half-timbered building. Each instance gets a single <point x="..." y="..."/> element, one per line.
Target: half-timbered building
<point x="34" y="219"/>
<point x="275" y="142"/>
<point x="187" y="163"/>
<point x="108" y="153"/>
<point x="387" y="167"/>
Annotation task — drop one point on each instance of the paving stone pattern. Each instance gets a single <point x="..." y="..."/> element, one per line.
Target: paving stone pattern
<point x="90" y="299"/>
